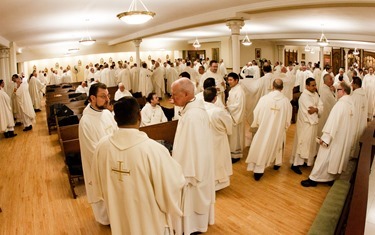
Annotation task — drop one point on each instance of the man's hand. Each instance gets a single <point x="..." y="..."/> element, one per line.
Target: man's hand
<point x="312" y="110"/>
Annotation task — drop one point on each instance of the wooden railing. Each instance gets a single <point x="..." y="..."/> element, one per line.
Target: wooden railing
<point x="356" y="205"/>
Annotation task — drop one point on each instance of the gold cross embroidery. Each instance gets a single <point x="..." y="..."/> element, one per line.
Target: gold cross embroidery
<point x="121" y="171"/>
<point x="275" y="108"/>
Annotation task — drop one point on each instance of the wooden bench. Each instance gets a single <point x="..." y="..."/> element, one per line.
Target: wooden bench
<point x="163" y="131"/>
<point x="73" y="163"/>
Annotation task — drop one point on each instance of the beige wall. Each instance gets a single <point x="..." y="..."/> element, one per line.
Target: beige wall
<point x="153" y="49"/>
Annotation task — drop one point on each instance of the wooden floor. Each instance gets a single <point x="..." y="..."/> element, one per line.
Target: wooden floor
<point x="35" y="197"/>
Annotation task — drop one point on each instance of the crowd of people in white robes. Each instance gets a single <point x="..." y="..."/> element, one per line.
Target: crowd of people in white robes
<point x="20" y="99"/>
<point x="210" y="135"/>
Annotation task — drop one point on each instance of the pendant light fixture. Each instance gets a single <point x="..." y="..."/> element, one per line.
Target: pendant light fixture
<point x="323" y="41"/>
<point x="86" y="39"/>
<point x="135" y="16"/>
<point x="246" y="41"/>
<point x="196" y="44"/>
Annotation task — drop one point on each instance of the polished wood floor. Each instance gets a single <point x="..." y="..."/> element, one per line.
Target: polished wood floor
<point x="35" y="197"/>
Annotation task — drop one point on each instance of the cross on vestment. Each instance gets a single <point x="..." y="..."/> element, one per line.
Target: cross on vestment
<point x="120" y="171"/>
<point x="351" y="113"/>
<point x="275" y="108"/>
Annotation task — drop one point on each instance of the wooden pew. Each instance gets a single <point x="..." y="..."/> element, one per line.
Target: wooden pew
<point x="68" y="132"/>
<point x="73" y="163"/>
<point x="111" y="91"/>
<point x="163" y="131"/>
<point x="355" y="216"/>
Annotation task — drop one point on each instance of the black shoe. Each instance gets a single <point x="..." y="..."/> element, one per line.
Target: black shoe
<point x="28" y="128"/>
<point x="6" y="135"/>
<point x="309" y="183"/>
<point x="275" y="167"/>
<point x="37" y="110"/>
<point x="18" y="124"/>
<point x="330" y="183"/>
<point x="296" y="170"/>
<point x="234" y="160"/>
<point x="305" y="164"/>
<point x="257" y="176"/>
<point x="11" y="134"/>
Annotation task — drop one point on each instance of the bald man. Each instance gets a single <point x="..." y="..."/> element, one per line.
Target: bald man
<point x="272" y="117"/>
<point x="193" y="150"/>
<point x="121" y="92"/>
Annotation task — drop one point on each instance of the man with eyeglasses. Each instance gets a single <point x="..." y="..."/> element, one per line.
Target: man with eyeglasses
<point x="96" y="122"/>
<point x="336" y="141"/>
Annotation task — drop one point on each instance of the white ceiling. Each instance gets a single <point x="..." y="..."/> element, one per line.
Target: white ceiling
<point x="43" y="24"/>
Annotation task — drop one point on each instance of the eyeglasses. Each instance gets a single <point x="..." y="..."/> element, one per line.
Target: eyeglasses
<point x="104" y="96"/>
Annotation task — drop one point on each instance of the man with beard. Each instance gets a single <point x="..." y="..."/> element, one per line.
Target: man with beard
<point x="96" y="122"/>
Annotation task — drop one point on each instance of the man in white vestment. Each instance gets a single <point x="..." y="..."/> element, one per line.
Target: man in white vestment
<point x="134" y="75"/>
<point x="340" y="77"/>
<point x="304" y="74"/>
<point x="277" y="69"/>
<point x="327" y="69"/>
<point x="97" y="73"/>
<point x="96" y="123"/>
<point x="152" y="113"/>
<point x="255" y="68"/>
<point x="272" y="117"/>
<point x="105" y="75"/>
<point x="265" y="82"/>
<point x="193" y="149"/>
<point x="193" y="74"/>
<point x="221" y="127"/>
<point x="83" y="88"/>
<point x="317" y="73"/>
<point x="360" y="103"/>
<point x="140" y="183"/>
<point x="86" y="73"/>
<point x="336" y="141"/>
<point x="6" y="114"/>
<point x="91" y="74"/>
<point x="223" y="68"/>
<point x="157" y="79"/>
<point x="65" y="77"/>
<point x="288" y="83"/>
<point x="124" y="77"/>
<point x="145" y="83"/>
<point x="112" y="76"/>
<point x="35" y="90"/>
<point x="304" y="146"/>
<point x="245" y="71"/>
<point x="209" y="82"/>
<point x="26" y="110"/>
<point x="171" y="76"/>
<point x="368" y="85"/>
<point x="236" y="105"/>
<point x="212" y="72"/>
<point x="327" y="96"/>
<point x="121" y="92"/>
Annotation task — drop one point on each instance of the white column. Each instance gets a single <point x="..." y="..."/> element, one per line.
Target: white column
<point x="346" y="58"/>
<point x="322" y="58"/>
<point x="137" y="43"/>
<point x="4" y="70"/>
<point x="235" y="27"/>
<point x="280" y="54"/>
<point x="13" y="58"/>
